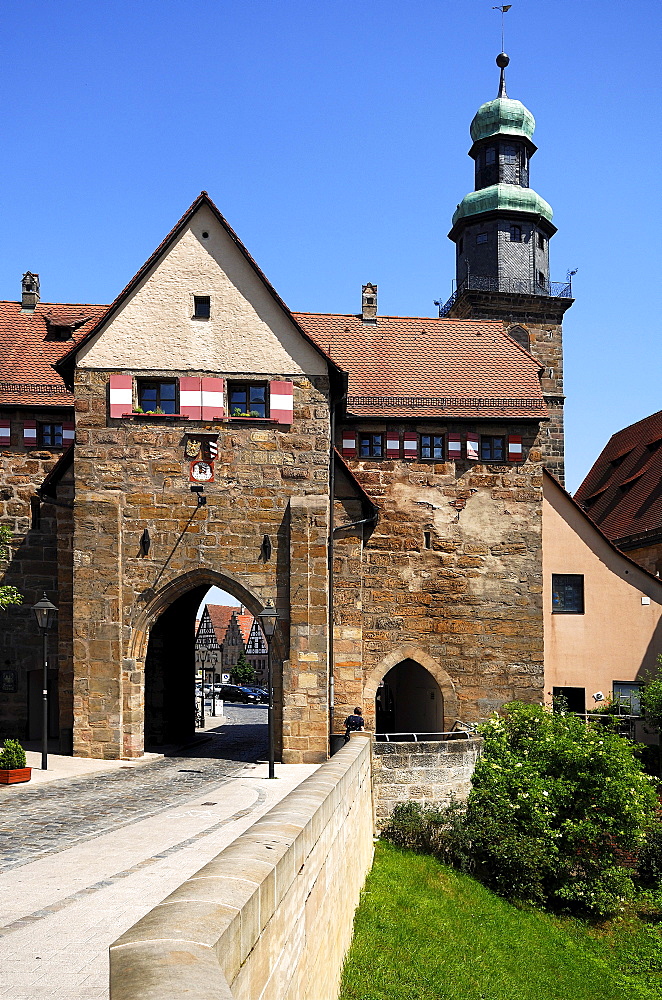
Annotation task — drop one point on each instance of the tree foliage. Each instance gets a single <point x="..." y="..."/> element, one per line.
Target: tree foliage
<point x="651" y="699"/>
<point x="242" y="672"/>
<point x="8" y="595"/>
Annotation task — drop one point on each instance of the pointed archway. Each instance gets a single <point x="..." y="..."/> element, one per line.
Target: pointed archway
<point x="159" y="674"/>
<point x="409" y="654"/>
<point x="409" y="700"/>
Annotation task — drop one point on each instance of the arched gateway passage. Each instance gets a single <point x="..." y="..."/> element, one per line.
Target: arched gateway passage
<point x="170" y="673"/>
<point x="409" y="700"/>
<point x="164" y="639"/>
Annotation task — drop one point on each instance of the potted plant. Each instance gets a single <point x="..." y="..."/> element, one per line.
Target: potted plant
<point x="12" y="764"/>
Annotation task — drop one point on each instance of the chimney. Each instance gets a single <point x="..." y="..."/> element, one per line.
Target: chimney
<point x="369" y="303"/>
<point x="29" y="292"/>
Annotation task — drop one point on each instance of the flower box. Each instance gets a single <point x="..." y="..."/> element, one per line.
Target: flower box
<point x="14" y="775"/>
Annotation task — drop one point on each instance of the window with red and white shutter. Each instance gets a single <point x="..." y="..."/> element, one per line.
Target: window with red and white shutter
<point x="68" y="432"/>
<point x="454" y="446"/>
<point x="30" y="433"/>
<point x="5" y="432"/>
<point x="120" y="395"/>
<point x="472" y="447"/>
<point x="410" y="444"/>
<point x="348" y="444"/>
<point x="190" y="397"/>
<point x="392" y="444"/>
<point x="281" y="402"/>
<point x="515" y="452"/>
<point x="213" y="398"/>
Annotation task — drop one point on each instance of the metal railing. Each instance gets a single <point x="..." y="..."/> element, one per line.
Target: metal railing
<point x="409" y="737"/>
<point x="514" y="286"/>
<point x="40" y="388"/>
<point x="448" y="402"/>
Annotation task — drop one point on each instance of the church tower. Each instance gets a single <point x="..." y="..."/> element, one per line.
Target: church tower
<point x="501" y="232"/>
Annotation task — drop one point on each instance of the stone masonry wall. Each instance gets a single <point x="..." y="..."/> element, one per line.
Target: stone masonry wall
<point x="271" y="916"/>
<point x="422" y="772"/>
<point x="469" y="607"/>
<point x="542" y="318"/>
<point x="32" y="568"/>
<point x="132" y="474"/>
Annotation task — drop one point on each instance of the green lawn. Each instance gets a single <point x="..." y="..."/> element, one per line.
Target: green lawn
<point x="426" y="932"/>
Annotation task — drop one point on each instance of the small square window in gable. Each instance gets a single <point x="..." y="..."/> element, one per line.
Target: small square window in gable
<point x="201" y="307"/>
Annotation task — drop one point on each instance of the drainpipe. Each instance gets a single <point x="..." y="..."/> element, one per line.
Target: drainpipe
<point x="332" y="482"/>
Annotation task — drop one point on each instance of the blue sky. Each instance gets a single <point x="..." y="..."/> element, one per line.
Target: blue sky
<point x="334" y="138"/>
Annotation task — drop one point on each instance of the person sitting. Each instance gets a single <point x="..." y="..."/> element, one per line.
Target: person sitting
<point x="354" y="723"/>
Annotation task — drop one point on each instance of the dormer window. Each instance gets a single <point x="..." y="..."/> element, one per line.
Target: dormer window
<point x="201" y="306"/>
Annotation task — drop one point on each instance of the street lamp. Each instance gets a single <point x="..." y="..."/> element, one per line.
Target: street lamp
<point x="45" y="613"/>
<point x="268" y="622"/>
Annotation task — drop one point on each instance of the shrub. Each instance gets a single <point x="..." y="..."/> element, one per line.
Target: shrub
<point x="557" y="816"/>
<point x="559" y="811"/>
<point x="12" y="755"/>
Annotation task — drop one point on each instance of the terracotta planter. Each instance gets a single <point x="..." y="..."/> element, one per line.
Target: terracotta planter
<point x="13" y="775"/>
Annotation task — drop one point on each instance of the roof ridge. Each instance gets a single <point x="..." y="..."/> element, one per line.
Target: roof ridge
<point x="202" y="199"/>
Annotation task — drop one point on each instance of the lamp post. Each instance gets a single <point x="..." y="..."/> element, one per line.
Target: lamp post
<point x="268" y="622"/>
<point x="45" y="613"/>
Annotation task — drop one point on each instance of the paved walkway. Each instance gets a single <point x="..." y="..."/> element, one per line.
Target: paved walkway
<point x="83" y="858"/>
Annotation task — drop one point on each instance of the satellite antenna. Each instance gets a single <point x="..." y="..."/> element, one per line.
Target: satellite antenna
<point x="504" y="10"/>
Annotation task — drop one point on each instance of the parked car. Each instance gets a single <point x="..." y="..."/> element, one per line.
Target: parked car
<point x="232" y="692"/>
<point x="259" y="692"/>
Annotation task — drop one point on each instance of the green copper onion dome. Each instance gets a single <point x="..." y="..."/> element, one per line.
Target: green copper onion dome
<point x="502" y="197"/>
<point x="502" y="116"/>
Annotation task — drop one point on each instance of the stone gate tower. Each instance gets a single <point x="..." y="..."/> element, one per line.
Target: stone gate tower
<point x="501" y="232"/>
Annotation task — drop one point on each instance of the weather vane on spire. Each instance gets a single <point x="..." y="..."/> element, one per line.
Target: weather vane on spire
<point x="504" y="10"/>
<point x="502" y="59"/>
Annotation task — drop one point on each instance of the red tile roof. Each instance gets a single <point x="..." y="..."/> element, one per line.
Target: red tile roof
<point x="245" y="623"/>
<point x="221" y="616"/>
<point x="420" y="366"/>
<point x="622" y="492"/>
<point x="29" y="349"/>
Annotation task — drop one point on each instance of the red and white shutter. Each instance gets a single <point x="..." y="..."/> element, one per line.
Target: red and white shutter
<point x="5" y="432"/>
<point x="515" y="448"/>
<point x="121" y="395"/>
<point x="281" y="402"/>
<point x="190" y="397"/>
<point x="30" y="433"/>
<point x="213" y="398"/>
<point x="410" y="444"/>
<point x="349" y="444"/>
<point x="454" y="446"/>
<point x="68" y="432"/>
<point x="392" y="444"/>
<point x="472" y="447"/>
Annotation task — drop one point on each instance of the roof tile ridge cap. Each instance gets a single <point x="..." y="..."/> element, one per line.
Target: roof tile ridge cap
<point x="202" y="199"/>
<point x="587" y="517"/>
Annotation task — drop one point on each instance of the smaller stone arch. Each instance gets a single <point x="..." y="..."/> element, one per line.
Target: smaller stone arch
<point x="410" y="652"/>
<point x="521" y="336"/>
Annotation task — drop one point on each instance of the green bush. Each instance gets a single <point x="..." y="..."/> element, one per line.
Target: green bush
<point x="558" y="815"/>
<point x="559" y="811"/>
<point x="12" y="755"/>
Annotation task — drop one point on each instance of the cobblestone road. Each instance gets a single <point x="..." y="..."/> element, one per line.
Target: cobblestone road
<point x="60" y="815"/>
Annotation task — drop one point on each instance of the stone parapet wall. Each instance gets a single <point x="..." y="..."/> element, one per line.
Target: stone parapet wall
<point x="422" y="772"/>
<point x="271" y="915"/>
